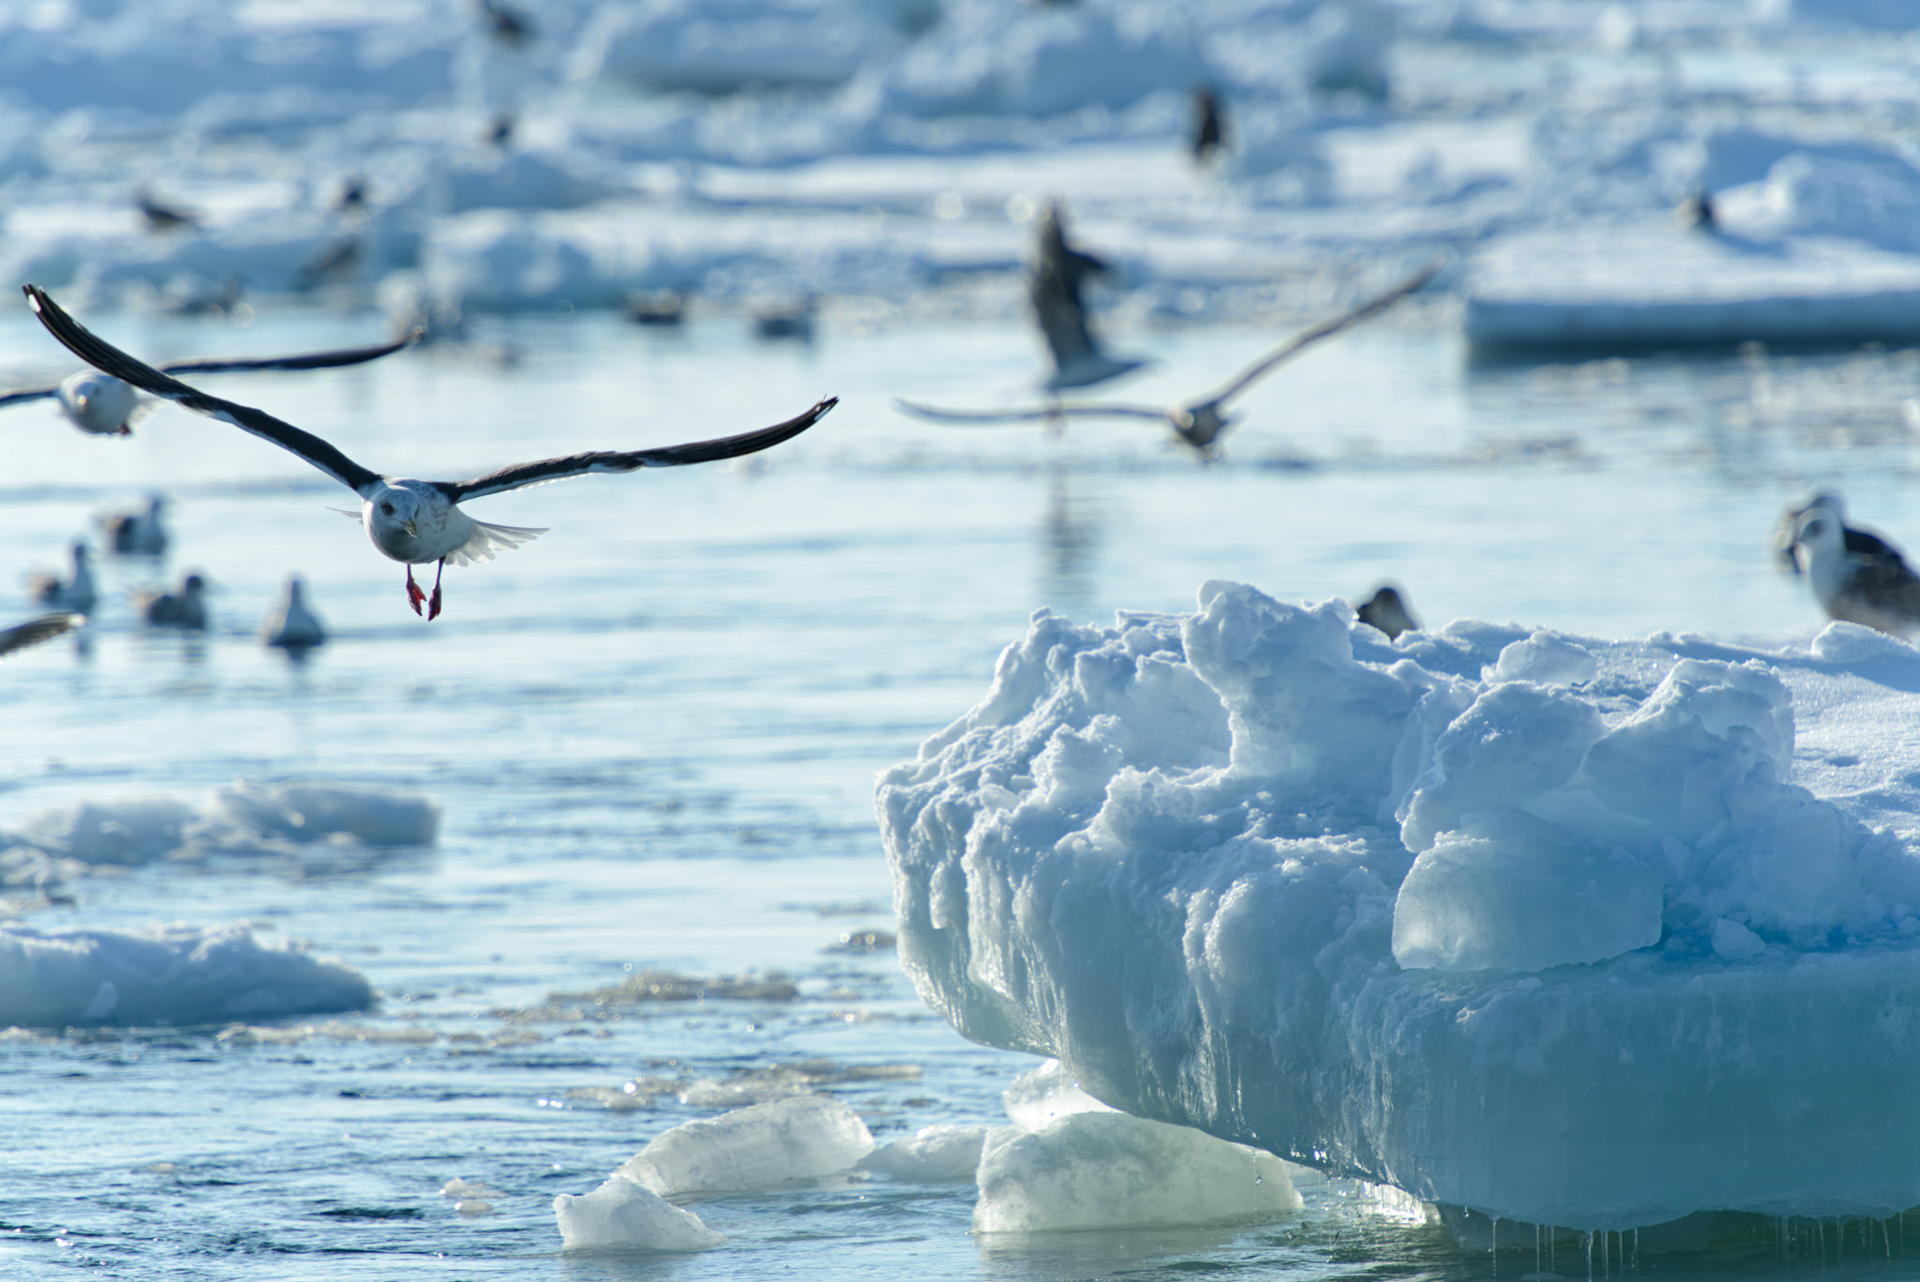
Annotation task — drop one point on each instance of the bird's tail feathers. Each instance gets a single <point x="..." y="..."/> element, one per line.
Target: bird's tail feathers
<point x="487" y="540"/>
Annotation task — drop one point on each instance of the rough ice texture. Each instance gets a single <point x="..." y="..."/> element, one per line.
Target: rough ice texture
<point x="1110" y="1170"/>
<point x="173" y="975"/>
<point x="942" y="1154"/>
<point x="1652" y="284"/>
<point x="765" y="1146"/>
<point x="622" y="1216"/>
<point x="1595" y="934"/>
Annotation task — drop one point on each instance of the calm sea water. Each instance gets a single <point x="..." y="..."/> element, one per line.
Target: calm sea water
<point x="654" y="733"/>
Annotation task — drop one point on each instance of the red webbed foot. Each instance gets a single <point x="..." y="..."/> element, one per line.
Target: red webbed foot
<point x="414" y="595"/>
<point x="433" y="605"/>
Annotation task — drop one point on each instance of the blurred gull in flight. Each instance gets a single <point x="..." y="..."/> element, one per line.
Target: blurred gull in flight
<point x="102" y="405"/>
<point x="1054" y="288"/>
<point x="1197" y="423"/>
<point x="409" y="520"/>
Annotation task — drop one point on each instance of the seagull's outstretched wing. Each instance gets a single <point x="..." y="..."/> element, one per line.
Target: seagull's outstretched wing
<point x="313" y="360"/>
<point x="1326" y="329"/>
<point x="34" y="631"/>
<point x="109" y="359"/>
<point x="522" y="475"/>
<point x="1037" y="413"/>
<point x="27" y="394"/>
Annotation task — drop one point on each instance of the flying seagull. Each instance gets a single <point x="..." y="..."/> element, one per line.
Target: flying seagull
<point x="102" y="405"/>
<point x="1855" y="581"/>
<point x="410" y="520"/>
<point x="34" y="631"/>
<point x="1054" y="289"/>
<point x="1197" y="423"/>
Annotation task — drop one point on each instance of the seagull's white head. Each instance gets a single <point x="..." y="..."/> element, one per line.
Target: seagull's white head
<point x="98" y="403"/>
<point x="412" y="520"/>
<point x="1819" y="545"/>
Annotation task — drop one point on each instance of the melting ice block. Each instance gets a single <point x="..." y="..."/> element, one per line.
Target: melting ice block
<point x="765" y="1146"/>
<point x="1099" y="1170"/>
<point x="622" y="1216"/>
<point x="942" y="1154"/>
<point x="173" y="975"/>
<point x="1582" y="933"/>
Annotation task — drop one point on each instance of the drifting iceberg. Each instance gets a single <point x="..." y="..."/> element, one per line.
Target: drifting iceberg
<point x="175" y="975"/>
<point x="1572" y="932"/>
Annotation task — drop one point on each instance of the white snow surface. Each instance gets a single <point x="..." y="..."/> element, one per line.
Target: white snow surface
<point x="178" y="975"/>
<point x="1402" y="910"/>
<point x="890" y="149"/>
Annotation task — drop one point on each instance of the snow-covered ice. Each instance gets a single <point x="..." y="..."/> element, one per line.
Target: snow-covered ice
<point x="1562" y="930"/>
<point x="763" y="1146"/>
<point x="177" y="975"/>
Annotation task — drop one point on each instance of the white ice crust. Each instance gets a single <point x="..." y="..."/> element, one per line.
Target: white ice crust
<point x="1583" y="933"/>
<point x="622" y="1216"/>
<point x="764" y="1146"/>
<point x="177" y="975"/>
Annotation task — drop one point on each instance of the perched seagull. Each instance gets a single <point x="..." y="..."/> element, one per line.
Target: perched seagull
<point x="664" y="309"/>
<point x="1209" y="131"/>
<point x="1054" y="289"/>
<point x="164" y="217"/>
<point x="1197" y="423"/>
<point x="1864" y="542"/>
<point x="76" y="593"/>
<point x="102" y="405"/>
<point x="1854" y="581"/>
<point x="186" y="608"/>
<point x="292" y="625"/>
<point x="409" y="520"/>
<point x="508" y="25"/>
<point x="137" y="533"/>
<point x="789" y="318"/>
<point x="34" y="631"/>
<point x="1386" y="610"/>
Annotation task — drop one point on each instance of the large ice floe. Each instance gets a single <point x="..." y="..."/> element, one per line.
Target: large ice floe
<point x="1571" y="932"/>
<point x="176" y="975"/>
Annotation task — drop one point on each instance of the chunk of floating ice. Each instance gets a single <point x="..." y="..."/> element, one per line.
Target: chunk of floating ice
<point x="1109" y="1170"/>
<point x="308" y="812"/>
<point x="765" y="1146"/>
<point x="1440" y="914"/>
<point x="172" y="975"/>
<point x="622" y="1216"/>
<point x="1042" y="1096"/>
<point x="942" y="1154"/>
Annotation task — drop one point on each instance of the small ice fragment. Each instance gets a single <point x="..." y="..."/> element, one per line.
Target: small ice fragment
<point x="460" y="1187"/>
<point x="764" y="1146"/>
<point x="1112" y="1170"/>
<point x="474" y="1206"/>
<point x="1044" y="1095"/>
<point x="942" y="1154"/>
<point x="622" y="1216"/>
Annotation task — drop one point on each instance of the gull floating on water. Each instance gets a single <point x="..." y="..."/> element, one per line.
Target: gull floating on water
<point x="34" y="631"/>
<point x="292" y="625"/>
<point x="1857" y="577"/>
<point x="137" y="533"/>
<point x="1054" y="288"/>
<point x="102" y="405"/>
<point x="186" y="608"/>
<point x="410" y="520"/>
<point x="74" y="593"/>
<point x="1387" y="610"/>
<point x="1197" y="423"/>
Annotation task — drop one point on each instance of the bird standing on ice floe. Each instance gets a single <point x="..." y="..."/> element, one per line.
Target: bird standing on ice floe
<point x="292" y="625"/>
<point x="186" y="608"/>
<point x="73" y="593"/>
<point x="101" y="405"/>
<point x="1197" y="423"/>
<point x="412" y="521"/>
<point x="137" y="533"/>
<point x="1857" y="577"/>
<point x="1387" y="610"/>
